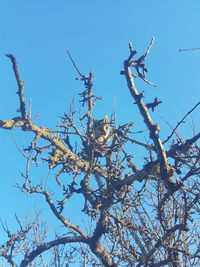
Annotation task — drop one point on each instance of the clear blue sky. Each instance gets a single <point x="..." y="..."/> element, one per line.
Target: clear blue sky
<point x="97" y="33"/>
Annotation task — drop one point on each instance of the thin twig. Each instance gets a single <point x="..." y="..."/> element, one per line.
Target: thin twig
<point x="140" y="66"/>
<point x="149" y="48"/>
<point x="73" y="62"/>
<point x="24" y="154"/>
<point x="20" y="84"/>
<point x="181" y="121"/>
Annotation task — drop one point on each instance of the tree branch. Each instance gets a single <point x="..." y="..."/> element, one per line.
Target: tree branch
<point x="20" y="84"/>
<point x="151" y="125"/>
<point x="46" y="246"/>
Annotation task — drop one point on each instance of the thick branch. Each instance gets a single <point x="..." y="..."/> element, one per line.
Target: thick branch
<point x="55" y="211"/>
<point x="46" y="246"/>
<point x="183" y="147"/>
<point x="105" y="257"/>
<point x="152" y="126"/>
<point x="74" y="163"/>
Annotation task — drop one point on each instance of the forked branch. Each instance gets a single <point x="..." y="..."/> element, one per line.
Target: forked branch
<point x="151" y="125"/>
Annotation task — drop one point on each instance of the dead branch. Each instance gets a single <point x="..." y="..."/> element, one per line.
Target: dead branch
<point x="151" y="125"/>
<point x="46" y="246"/>
<point x="180" y="122"/>
<point x="20" y="84"/>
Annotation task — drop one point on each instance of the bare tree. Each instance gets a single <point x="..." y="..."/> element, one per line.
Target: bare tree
<point x="138" y="213"/>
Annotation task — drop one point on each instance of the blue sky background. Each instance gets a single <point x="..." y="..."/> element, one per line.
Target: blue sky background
<point x="97" y="34"/>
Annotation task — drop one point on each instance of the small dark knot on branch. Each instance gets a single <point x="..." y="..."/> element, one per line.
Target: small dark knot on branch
<point x="154" y="104"/>
<point x="139" y="97"/>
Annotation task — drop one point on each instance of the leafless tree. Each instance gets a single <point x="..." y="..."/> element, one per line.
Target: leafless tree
<point x="138" y="213"/>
